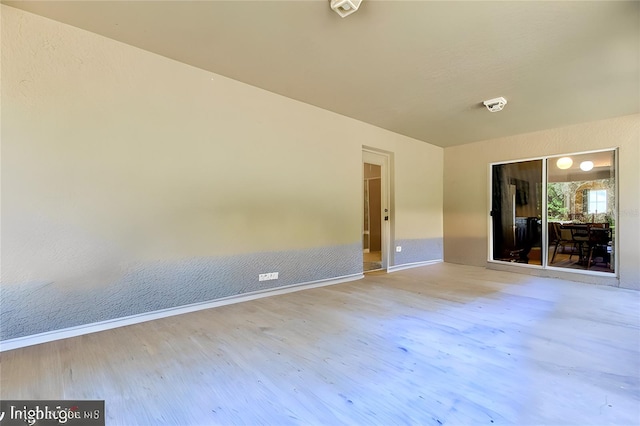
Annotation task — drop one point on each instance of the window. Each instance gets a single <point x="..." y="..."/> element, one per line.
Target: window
<point x="597" y="201"/>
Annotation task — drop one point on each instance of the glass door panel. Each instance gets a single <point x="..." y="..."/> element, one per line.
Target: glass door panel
<point x="516" y="212"/>
<point x="581" y="206"/>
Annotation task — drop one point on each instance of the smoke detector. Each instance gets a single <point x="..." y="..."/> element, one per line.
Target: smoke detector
<point x="496" y="104"/>
<point x="345" y="7"/>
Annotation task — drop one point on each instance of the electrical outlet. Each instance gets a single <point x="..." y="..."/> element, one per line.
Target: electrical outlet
<point x="398" y="249"/>
<point x="268" y="276"/>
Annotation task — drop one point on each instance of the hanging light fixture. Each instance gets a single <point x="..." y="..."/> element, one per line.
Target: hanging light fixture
<point x="564" y="163"/>
<point x="586" y="165"/>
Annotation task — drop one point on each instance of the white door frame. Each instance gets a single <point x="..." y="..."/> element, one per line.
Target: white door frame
<point x="381" y="159"/>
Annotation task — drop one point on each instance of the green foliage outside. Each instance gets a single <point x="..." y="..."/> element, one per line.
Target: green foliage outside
<point x="556" y="209"/>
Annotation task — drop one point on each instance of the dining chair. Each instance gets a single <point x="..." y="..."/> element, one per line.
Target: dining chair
<point x="580" y="237"/>
<point x="598" y="244"/>
<point x="560" y="237"/>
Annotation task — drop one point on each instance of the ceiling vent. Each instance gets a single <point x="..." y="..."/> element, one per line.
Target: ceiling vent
<point x="345" y="7"/>
<point x="495" y="105"/>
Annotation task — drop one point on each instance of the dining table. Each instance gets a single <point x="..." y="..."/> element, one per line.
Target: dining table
<point x="589" y="236"/>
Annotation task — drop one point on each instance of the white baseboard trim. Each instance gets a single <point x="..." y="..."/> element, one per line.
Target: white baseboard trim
<point x="49" y="336"/>
<point x="397" y="268"/>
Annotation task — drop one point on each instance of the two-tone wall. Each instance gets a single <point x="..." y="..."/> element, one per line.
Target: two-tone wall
<point x="466" y="185"/>
<point x="133" y="183"/>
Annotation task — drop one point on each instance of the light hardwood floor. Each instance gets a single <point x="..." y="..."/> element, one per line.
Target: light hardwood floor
<point x="441" y="344"/>
<point x="372" y="261"/>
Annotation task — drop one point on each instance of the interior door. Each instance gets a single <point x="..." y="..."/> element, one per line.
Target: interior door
<point x="376" y="214"/>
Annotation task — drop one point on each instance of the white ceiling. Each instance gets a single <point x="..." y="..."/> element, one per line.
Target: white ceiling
<point x="418" y="68"/>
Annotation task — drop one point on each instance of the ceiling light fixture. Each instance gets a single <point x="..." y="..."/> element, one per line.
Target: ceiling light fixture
<point x="564" y="163"/>
<point x="586" y="165"/>
<point x="345" y="7"/>
<point x="496" y="104"/>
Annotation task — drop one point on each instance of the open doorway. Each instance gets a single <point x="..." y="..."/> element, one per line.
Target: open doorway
<point x="375" y="211"/>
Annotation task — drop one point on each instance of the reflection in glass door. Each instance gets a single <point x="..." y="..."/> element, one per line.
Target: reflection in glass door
<point x="516" y="212"/>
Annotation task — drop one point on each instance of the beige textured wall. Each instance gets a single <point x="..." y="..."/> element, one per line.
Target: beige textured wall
<point x="466" y="184"/>
<point x="111" y="154"/>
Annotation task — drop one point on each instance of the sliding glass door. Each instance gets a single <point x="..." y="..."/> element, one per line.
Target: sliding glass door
<point x="555" y="212"/>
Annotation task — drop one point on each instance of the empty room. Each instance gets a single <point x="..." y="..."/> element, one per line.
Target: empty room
<point x="320" y="212"/>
